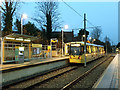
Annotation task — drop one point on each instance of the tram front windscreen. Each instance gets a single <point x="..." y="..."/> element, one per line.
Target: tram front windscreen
<point x="76" y="50"/>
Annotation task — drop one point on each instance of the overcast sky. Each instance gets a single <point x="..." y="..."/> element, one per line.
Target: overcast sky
<point x="104" y="14"/>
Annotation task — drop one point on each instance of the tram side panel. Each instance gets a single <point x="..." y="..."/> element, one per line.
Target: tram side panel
<point x="93" y="53"/>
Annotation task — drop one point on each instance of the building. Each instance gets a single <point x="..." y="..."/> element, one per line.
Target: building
<point x="67" y="36"/>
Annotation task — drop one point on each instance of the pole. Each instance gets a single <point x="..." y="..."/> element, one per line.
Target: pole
<point x="21" y="26"/>
<point x="62" y="42"/>
<point x="1" y="35"/>
<point x="85" y="38"/>
<point x="0" y="25"/>
<point x="21" y="29"/>
<point x="51" y="48"/>
<point x="106" y="45"/>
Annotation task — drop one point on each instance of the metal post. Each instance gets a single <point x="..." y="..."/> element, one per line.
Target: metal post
<point x="0" y="25"/>
<point x="1" y="34"/>
<point x="106" y="45"/>
<point x="1" y="50"/>
<point x="85" y="38"/>
<point x="51" y="48"/>
<point x="21" y="28"/>
<point x="62" y="42"/>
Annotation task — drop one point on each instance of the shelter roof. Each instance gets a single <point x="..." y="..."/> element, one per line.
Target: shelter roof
<point x="19" y="38"/>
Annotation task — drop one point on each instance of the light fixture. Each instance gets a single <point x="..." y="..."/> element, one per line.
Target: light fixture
<point x="90" y="38"/>
<point x="10" y="38"/>
<point x="66" y="27"/>
<point x="27" y="40"/>
<point x="83" y="35"/>
<point x="24" y="16"/>
<point x="20" y="39"/>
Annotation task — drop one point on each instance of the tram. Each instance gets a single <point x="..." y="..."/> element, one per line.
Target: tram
<point x="76" y="52"/>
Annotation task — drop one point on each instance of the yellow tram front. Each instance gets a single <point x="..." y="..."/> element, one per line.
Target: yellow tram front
<point x="76" y="53"/>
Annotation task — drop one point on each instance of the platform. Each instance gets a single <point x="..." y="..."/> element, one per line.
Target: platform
<point x="31" y="62"/>
<point x="12" y="73"/>
<point x="110" y="79"/>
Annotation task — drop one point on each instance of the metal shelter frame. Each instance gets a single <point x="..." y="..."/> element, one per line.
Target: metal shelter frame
<point x="16" y="38"/>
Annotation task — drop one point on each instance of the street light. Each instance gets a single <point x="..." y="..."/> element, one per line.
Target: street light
<point x="0" y="33"/>
<point x="23" y="16"/>
<point x="0" y="18"/>
<point x="65" y="27"/>
<point x="90" y="38"/>
<point x="93" y="40"/>
<point x="83" y="36"/>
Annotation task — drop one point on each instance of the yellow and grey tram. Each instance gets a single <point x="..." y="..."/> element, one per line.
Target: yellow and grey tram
<point x="76" y="52"/>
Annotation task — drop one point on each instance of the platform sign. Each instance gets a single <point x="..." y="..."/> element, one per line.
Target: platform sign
<point x="36" y="48"/>
<point x="54" y="41"/>
<point x="49" y="48"/>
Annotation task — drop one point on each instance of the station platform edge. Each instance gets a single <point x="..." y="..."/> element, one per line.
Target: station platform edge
<point x="110" y="78"/>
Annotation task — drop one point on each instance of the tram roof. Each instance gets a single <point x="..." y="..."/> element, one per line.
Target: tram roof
<point x="86" y="44"/>
<point x="19" y="38"/>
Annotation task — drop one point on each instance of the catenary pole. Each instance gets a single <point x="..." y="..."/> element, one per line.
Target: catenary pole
<point x="85" y="38"/>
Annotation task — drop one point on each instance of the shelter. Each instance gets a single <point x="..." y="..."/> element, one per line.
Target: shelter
<point x="10" y="42"/>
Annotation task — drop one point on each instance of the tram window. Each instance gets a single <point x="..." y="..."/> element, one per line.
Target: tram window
<point x="76" y="50"/>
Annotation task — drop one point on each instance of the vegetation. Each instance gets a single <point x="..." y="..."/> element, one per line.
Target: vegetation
<point x="8" y="10"/>
<point x="96" y="33"/>
<point x="118" y="45"/>
<point x="48" y="17"/>
<point x="107" y="44"/>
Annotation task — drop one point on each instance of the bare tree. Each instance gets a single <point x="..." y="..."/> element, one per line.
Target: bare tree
<point x="8" y="10"/>
<point x="48" y="15"/>
<point x="96" y="33"/>
<point x="107" y="39"/>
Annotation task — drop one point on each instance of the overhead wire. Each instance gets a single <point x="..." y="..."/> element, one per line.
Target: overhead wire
<point x="78" y="13"/>
<point x="72" y="9"/>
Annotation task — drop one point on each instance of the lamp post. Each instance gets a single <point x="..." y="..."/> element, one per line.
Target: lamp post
<point x="90" y="38"/>
<point x="83" y="36"/>
<point x="23" y="16"/>
<point x="93" y="41"/>
<point x="0" y="21"/>
<point x="65" y="27"/>
<point x="1" y="35"/>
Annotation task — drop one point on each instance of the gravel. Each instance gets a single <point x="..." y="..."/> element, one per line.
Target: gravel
<point x="89" y="81"/>
<point x="38" y="79"/>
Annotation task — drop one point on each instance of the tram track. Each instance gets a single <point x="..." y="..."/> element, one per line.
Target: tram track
<point x="62" y="80"/>
<point x="72" y="83"/>
<point x="42" y="81"/>
<point x="26" y="84"/>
